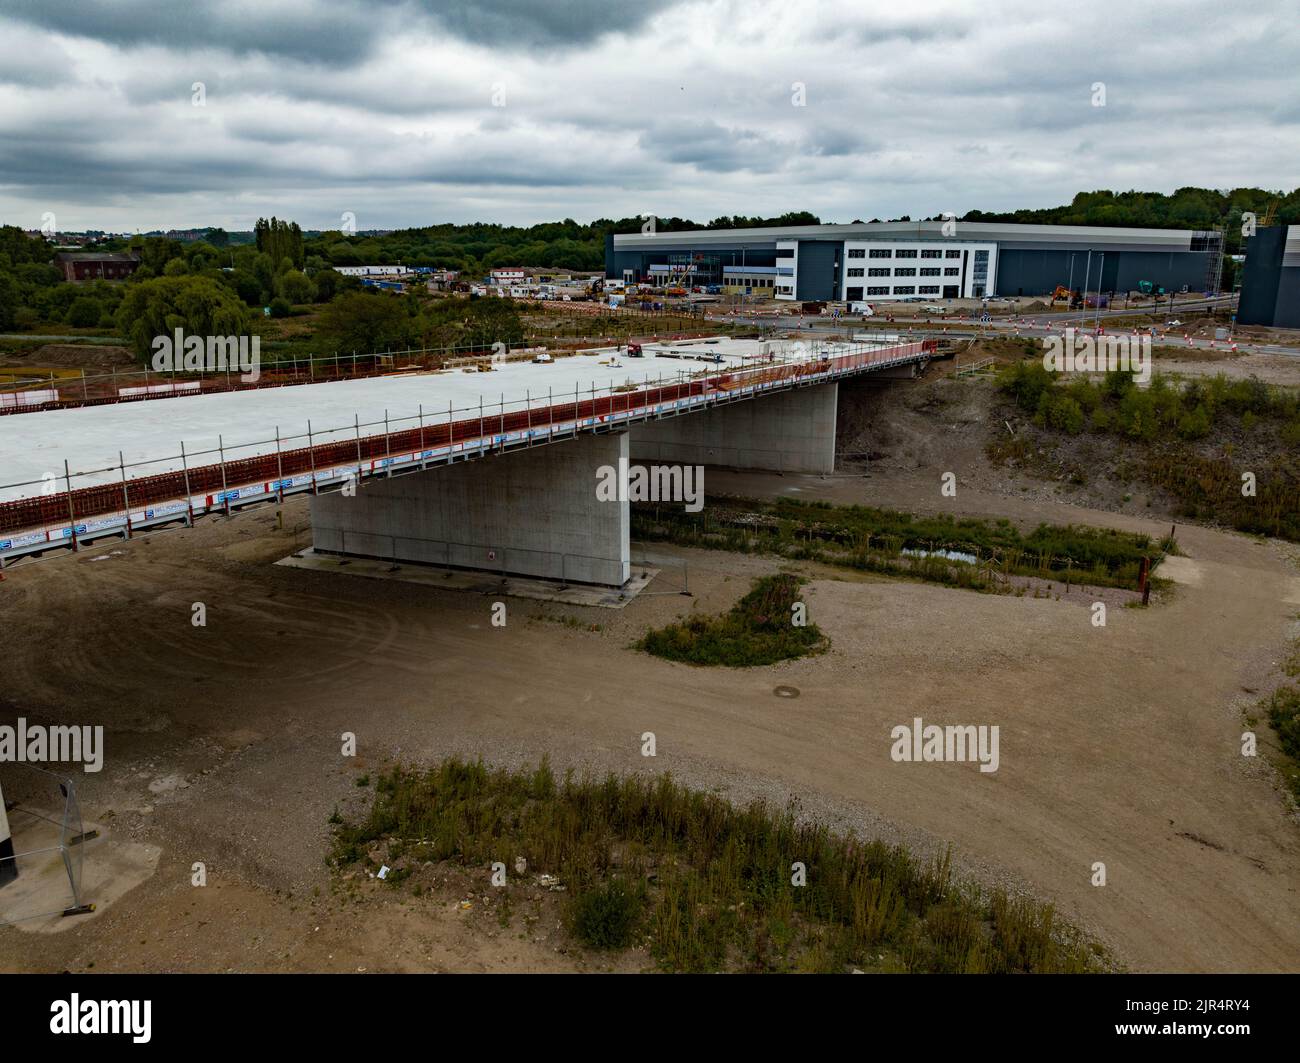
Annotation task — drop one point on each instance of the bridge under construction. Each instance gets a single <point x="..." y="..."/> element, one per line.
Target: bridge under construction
<point x="392" y="462"/>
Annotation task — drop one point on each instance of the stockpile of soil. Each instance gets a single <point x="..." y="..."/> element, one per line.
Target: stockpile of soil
<point x="71" y="356"/>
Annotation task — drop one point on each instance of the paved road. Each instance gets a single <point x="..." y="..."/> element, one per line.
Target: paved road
<point x="1036" y="325"/>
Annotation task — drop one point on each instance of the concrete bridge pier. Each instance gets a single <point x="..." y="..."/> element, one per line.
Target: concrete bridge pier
<point x="793" y="431"/>
<point x="532" y="513"/>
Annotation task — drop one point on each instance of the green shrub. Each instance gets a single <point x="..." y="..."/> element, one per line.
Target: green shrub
<point x="1027" y="381"/>
<point x="84" y="313"/>
<point x="605" y="916"/>
<point x="1137" y="415"/>
<point x="1283" y="711"/>
<point x="758" y="630"/>
<point x="1118" y="383"/>
<point x="1065" y="415"/>
<point x="1195" y="424"/>
<point x="1284" y="715"/>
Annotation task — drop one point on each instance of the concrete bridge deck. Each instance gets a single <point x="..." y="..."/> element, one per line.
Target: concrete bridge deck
<point x="70" y="476"/>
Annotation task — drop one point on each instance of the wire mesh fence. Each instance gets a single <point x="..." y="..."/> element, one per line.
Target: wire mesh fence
<point x="43" y="877"/>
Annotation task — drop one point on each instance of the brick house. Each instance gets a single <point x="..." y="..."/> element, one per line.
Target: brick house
<point x="96" y="265"/>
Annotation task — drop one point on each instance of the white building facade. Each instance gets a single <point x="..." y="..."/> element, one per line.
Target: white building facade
<point x="926" y="269"/>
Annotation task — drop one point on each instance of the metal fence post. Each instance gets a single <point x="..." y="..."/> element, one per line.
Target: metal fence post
<point x="72" y="517"/>
<point x="225" y="492"/>
<point x="126" y="501"/>
<point x="311" y="455"/>
<point x="279" y="469"/>
<point x="189" y="498"/>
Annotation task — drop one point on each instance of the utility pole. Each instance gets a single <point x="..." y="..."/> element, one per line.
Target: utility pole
<point x="1100" y="269"/>
<point x="1083" y="305"/>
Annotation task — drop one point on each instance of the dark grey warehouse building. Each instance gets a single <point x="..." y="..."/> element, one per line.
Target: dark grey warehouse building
<point x="929" y="259"/>
<point x="1270" y="281"/>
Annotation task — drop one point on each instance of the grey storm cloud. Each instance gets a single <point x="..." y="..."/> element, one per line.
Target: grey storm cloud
<point x="529" y="22"/>
<point x="840" y="139"/>
<point x="713" y="147"/>
<point x="80" y="169"/>
<point x="876" y="30"/>
<point x="330" y="31"/>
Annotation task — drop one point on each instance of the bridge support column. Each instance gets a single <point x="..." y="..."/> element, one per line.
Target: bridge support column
<point x="793" y="431"/>
<point x="526" y="513"/>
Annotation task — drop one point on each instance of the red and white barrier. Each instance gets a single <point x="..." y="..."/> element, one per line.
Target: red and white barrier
<point x="163" y="389"/>
<point x="11" y="399"/>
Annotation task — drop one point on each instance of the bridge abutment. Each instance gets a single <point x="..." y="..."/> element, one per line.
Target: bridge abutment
<point x="793" y="431"/>
<point x="528" y="513"/>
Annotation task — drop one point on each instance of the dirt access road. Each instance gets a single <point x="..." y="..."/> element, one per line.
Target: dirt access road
<point x="1119" y="745"/>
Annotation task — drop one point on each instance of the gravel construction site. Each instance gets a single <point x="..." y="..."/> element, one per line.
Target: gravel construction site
<point x="1120" y="745"/>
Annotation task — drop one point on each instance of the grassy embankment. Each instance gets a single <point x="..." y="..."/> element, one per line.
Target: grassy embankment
<point x="1282" y="710"/>
<point x="700" y="884"/>
<point x="1227" y="450"/>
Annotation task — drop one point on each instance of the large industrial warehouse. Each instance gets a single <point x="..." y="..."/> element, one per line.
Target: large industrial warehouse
<point x="928" y="259"/>
<point x="1270" y="285"/>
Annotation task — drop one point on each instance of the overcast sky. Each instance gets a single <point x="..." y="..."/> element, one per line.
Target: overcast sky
<point x="409" y="112"/>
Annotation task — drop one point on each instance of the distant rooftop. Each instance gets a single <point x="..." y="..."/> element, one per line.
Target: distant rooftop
<point x="96" y="256"/>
